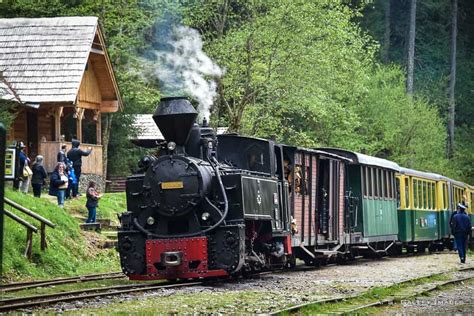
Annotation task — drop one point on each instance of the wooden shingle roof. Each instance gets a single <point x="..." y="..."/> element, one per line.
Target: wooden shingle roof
<point x="44" y="59"/>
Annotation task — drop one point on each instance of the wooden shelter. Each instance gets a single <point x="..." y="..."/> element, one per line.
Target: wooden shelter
<point x="60" y="70"/>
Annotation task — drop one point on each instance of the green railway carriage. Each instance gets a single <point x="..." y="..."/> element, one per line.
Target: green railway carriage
<point x="470" y="200"/>
<point x="424" y="208"/>
<point x="371" y="181"/>
<point x="462" y="193"/>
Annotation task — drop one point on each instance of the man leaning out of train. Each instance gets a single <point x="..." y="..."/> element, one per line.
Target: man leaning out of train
<point x="461" y="228"/>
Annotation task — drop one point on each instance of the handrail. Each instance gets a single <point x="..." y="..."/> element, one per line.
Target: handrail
<point x="30" y="229"/>
<point x="20" y="221"/>
<point x="30" y="213"/>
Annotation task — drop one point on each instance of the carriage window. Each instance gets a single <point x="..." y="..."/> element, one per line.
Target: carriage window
<point x="445" y="195"/>
<point x="388" y="178"/>
<point x="367" y="180"/>
<point x="298" y="178"/>
<point x="377" y="183"/>
<point x="383" y="185"/>
<point x="375" y="189"/>
<point x="407" y="194"/>
<point x="433" y="196"/>
<point x="415" y="194"/>
<point x="363" y="180"/>
<point x="371" y="185"/>
<point x="398" y="192"/>
<point x="430" y="196"/>
<point x="425" y="196"/>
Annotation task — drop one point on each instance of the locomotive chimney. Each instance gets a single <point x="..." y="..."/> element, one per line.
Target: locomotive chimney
<point x="175" y="116"/>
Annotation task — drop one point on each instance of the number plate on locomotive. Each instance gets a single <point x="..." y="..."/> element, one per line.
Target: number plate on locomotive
<point x="172" y="185"/>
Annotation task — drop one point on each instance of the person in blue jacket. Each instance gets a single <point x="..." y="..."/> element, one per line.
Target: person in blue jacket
<point x="72" y="180"/>
<point x="461" y="228"/>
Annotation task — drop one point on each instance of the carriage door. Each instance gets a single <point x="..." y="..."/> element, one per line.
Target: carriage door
<point x="328" y="200"/>
<point x="281" y="216"/>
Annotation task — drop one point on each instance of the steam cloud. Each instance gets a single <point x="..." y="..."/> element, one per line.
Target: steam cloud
<point x="183" y="67"/>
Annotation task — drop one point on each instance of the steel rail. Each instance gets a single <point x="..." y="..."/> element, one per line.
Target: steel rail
<point x="296" y="308"/>
<point x="17" y="286"/>
<point x="392" y="300"/>
<point x="48" y="299"/>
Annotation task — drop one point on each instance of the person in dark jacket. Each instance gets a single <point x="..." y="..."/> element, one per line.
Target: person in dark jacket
<point x="39" y="175"/>
<point x="455" y="247"/>
<point x="62" y="154"/>
<point x="75" y="155"/>
<point x="92" y="201"/>
<point x="58" y="183"/>
<point x="461" y="228"/>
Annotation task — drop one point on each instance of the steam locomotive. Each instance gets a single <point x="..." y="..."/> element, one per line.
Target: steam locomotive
<point x="208" y="205"/>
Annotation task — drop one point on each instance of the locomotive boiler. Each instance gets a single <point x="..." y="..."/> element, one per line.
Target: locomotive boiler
<point x="203" y="206"/>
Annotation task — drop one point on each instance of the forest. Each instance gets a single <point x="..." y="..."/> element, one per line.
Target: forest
<point x="389" y="78"/>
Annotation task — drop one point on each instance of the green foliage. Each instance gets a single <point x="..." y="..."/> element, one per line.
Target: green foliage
<point x="7" y="114"/>
<point x="110" y="205"/>
<point x="67" y="252"/>
<point x="433" y="36"/>
<point x="398" y="128"/>
<point x="302" y="71"/>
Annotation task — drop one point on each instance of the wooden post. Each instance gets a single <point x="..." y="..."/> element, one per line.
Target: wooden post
<point x="79" y="116"/>
<point x="57" y="123"/>
<point x="98" y="126"/>
<point x="43" y="237"/>
<point x="3" y="137"/>
<point x="29" y="243"/>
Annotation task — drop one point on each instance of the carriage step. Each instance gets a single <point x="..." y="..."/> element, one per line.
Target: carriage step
<point x="327" y="253"/>
<point x="360" y="247"/>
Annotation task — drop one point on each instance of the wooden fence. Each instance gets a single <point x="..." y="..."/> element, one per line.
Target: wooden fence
<point x="90" y="164"/>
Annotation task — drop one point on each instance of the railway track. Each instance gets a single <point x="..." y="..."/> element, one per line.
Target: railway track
<point x="48" y="299"/>
<point x="42" y="283"/>
<point x="381" y="302"/>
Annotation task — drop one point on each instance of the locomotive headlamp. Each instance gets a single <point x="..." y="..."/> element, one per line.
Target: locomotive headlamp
<point x="150" y="220"/>
<point x="171" y="146"/>
<point x="205" y="216"/>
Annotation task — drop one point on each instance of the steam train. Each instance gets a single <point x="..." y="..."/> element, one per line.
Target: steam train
<point x="208" y="205"/>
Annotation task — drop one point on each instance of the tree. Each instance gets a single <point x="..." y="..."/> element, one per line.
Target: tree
<point x="452" y="78"/>
<point x="7" y="104"/>
<point x="386" y="37"/>
<point x="411" y="47"/>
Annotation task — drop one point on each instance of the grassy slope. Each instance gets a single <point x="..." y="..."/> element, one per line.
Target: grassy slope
<point x="69" y="251"/>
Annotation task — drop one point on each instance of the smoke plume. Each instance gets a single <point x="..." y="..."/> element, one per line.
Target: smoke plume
<point x="183" y="68"/>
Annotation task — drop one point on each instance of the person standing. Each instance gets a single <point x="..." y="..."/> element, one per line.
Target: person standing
<point x="39" y="175"/>
<point x="75" y="155"/>
<point x="62" y="154"/>
<point x="58" y="183"/>
<point x="72" y="184"/>
<point x="25" y="171"/>
<point x="461" y="228"/>
<point x="92" y="201"/>
<point x="455" y="247"/>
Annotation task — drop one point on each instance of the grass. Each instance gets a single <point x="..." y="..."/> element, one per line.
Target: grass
<point x="375" y="294"/>
<point x="110" y="205"/>
<point x="69" y="252"/>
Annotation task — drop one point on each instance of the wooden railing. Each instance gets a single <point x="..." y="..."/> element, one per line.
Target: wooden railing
<point x="91" y="164"/>
<point x="29" y="227"/>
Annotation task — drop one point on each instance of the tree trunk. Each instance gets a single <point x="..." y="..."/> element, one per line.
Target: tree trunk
<point x="411" y="47"/>
<point x="386" y="36"/>
<point x="452" y="79"/>
<point x="105" y="141"/>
